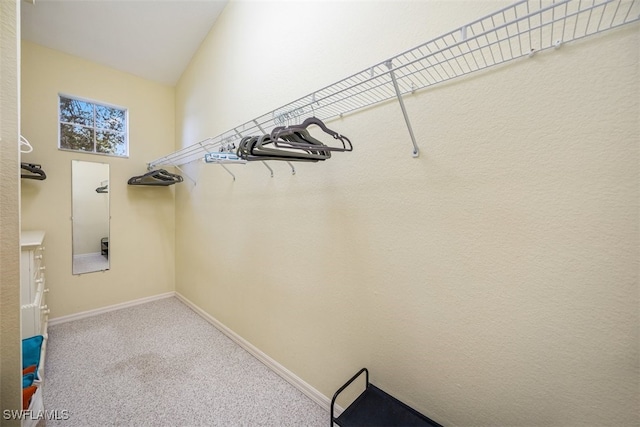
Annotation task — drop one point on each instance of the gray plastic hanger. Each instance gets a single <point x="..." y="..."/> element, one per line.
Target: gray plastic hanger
<point x="158" y="177"/>
<point x="265" y="145"/>
<point x="303" y="138"/>
<point x="256" y="148"/>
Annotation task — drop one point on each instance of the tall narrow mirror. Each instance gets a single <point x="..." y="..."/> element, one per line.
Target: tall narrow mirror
<point x="90" y="217"/>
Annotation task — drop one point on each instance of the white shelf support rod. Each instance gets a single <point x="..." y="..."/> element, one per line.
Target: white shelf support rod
<point x="185" y="174"/>
<point x="416" y="150"/>
<point x="293" y="170"/>
<point x="227" y="169"/>
<point x="268" y="167"/>
<point x="262" y="161"/>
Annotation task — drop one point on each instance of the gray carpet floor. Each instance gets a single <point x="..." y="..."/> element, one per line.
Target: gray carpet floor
<point x="160" y="364"/>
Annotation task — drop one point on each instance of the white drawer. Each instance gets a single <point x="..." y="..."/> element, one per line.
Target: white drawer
<point x="30" y="321"/>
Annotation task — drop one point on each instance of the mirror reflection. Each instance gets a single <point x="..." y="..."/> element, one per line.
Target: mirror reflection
<point x="90" y="217"/>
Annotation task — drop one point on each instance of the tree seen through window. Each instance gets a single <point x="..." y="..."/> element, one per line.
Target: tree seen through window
<point x="92" y="127"/>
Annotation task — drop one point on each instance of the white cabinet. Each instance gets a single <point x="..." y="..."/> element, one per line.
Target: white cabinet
<point x="33" y="286"/>
<point x="34" y="311"/>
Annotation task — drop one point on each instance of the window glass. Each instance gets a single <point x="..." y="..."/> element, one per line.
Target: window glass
<point x="76" y="111"/>
<point x="92" y="127"/>
<point x="74" y="137"/>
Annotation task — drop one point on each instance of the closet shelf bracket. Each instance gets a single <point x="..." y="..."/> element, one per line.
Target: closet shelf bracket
<point x="207" y="151"/>
<point x="416" y="150"/>
<point x="268" y="167"/>
<point x="227" y="169"/>
<point x="262" y="161"/>
<point x="185" y="174"/>
<point x="293" y="170"/>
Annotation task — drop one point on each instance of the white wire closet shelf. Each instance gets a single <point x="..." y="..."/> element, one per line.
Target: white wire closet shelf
<point x="516" y="31"/>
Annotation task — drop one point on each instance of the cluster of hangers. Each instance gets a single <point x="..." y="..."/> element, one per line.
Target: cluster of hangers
<point x="286" y="143"/>
<point x="30" y="170"/>
<point x="103" y="188"/>
<point x="158" y="177"/>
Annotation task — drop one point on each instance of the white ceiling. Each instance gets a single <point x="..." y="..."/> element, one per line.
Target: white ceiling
<point x="151" y="39"/>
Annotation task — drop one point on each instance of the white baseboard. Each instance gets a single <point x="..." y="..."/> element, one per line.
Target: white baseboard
<point x="90" y="313"/>
<point x="286" y="374"/>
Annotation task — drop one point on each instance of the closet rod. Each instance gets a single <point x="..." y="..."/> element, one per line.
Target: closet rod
<point x="519" y="30"/>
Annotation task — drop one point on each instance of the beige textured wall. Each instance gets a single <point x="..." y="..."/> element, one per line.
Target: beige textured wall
<point x="142" y="219"/>
<point x="10" y="350"/>
<point x="492" y="281"/>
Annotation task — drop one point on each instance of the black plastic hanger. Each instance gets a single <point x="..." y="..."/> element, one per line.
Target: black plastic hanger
<point x="35" y="171"/>
<point x="158" y="177"/>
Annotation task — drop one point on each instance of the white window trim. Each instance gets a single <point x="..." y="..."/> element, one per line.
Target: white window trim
<point x="104" y="104"/>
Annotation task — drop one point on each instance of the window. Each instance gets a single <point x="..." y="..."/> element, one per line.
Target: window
<point x="92" y="127"/>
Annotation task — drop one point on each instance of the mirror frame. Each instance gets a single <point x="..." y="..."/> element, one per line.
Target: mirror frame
<point x="90" y="262"/>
